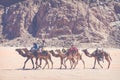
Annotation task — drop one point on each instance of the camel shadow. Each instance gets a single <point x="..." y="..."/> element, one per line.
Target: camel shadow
<point x="18" y="69"/>
<point x="24" y="69"/>
<point x="27" y="69"/>
<point x="93" y="68"/>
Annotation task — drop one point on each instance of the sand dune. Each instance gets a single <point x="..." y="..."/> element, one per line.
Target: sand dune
<point x="11" y="64"/>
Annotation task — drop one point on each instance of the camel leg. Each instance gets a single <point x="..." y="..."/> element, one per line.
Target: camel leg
<point x="99" y="63"/>
<point x="61" y="63"/>
<point x="75" y="63"/>
<point x="65" y="63"/>
<point x="45" y="64"/>
<point x="36" y="63"/>
<point x="25" y="62"/>
<point x="62" y="60"/>
<point x="94" y="64"/>
<point x="82" y="61"/>
<point x="71" y="63"/>
<point x="37" y="66"/>
<point x="40" y="62"/>
<point x="108" y="62"/>
<point x="32" y="63"/>
<point x="48" y="65"/>
<point x="51" y="62"/>
<point x="60" y="66"/>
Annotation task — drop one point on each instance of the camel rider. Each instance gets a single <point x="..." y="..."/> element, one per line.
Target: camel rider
<point x="72" y="49"/>
<point x="34" y="48"/>
<point x="64" y="50"/>
<point x="42" y="46"/>
<point x="99" y="54"/>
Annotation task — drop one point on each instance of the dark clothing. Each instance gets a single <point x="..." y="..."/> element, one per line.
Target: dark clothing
<point x="72" y="50"/>
<point x="41" y="46"/>
<point x="44" y="52"/>
<point x="99" y="54"/>
<point x="64" y="51"/>
<point x="35" y="46"/>
<point x="34" y="49"/>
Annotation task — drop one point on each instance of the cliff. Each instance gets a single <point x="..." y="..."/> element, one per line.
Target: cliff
<point x="63" y="20"/>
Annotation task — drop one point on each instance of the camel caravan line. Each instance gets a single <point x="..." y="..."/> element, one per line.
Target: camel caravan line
<point x="64" y="55"/>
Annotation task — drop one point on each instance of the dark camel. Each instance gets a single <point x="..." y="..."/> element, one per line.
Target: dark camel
<point x="102" y="54"/>
<point x="41" y="56"/>
<point x="28" y="55"/>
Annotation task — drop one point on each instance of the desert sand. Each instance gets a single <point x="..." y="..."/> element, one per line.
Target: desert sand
<point x="11" y="64"/>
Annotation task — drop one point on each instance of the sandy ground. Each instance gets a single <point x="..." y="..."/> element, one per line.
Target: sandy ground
<point x="11" y="64"/>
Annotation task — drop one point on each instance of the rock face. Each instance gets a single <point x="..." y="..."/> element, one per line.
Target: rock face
<point x="1" y="12"/>
<point x="58" y="18"/>
<point x="17" y="18"/>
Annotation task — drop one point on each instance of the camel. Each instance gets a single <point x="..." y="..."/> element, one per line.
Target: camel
<point x="28" y="55"/>
<point x="68" y="57"/>
<point x="61" y="56"/>
<point x="41" y="56"/>
<point x="72" y="56"/>
<point x="102" y="54"/>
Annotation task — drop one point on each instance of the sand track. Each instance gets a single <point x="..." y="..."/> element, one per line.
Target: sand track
<point x="11" y="68"/>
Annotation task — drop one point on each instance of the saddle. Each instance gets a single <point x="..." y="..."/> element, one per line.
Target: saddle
<point x="99" y="54"/>
<point x="34" y="52"/>
<point x="44" y="53"/>
<point x="71" y="52"/>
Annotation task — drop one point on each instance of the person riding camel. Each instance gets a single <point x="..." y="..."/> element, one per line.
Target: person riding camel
<point x="64" y="50"/>
<point x="34" y="48"/>
<point x="99" y="53"/>
<point x="72" y="50"/>
<point x="41" y="48"/>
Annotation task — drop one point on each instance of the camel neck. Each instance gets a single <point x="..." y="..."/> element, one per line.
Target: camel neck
<point x="55" y="55"/>
<point x="21" y="53"/>
<point x="87" y="53"/>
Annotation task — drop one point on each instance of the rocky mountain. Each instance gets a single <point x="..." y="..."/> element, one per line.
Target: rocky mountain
<point x="60" y="22"/>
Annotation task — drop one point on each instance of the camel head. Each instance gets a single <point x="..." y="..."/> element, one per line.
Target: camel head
<point x="21" y="52"/>
<point x="58" y="50"/>
<point x="51" y="51"/>
<point x="84" y="50"/>
<point x="17" y="50"/>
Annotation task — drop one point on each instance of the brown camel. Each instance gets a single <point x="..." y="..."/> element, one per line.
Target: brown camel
<point x="41" y="56"/>
<point x="28" y="55"/>
<point x="69" y="57"/>
<point x="61" y="56"/>
<point x="97" y="54"/>
<point x="74" y="56"/>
